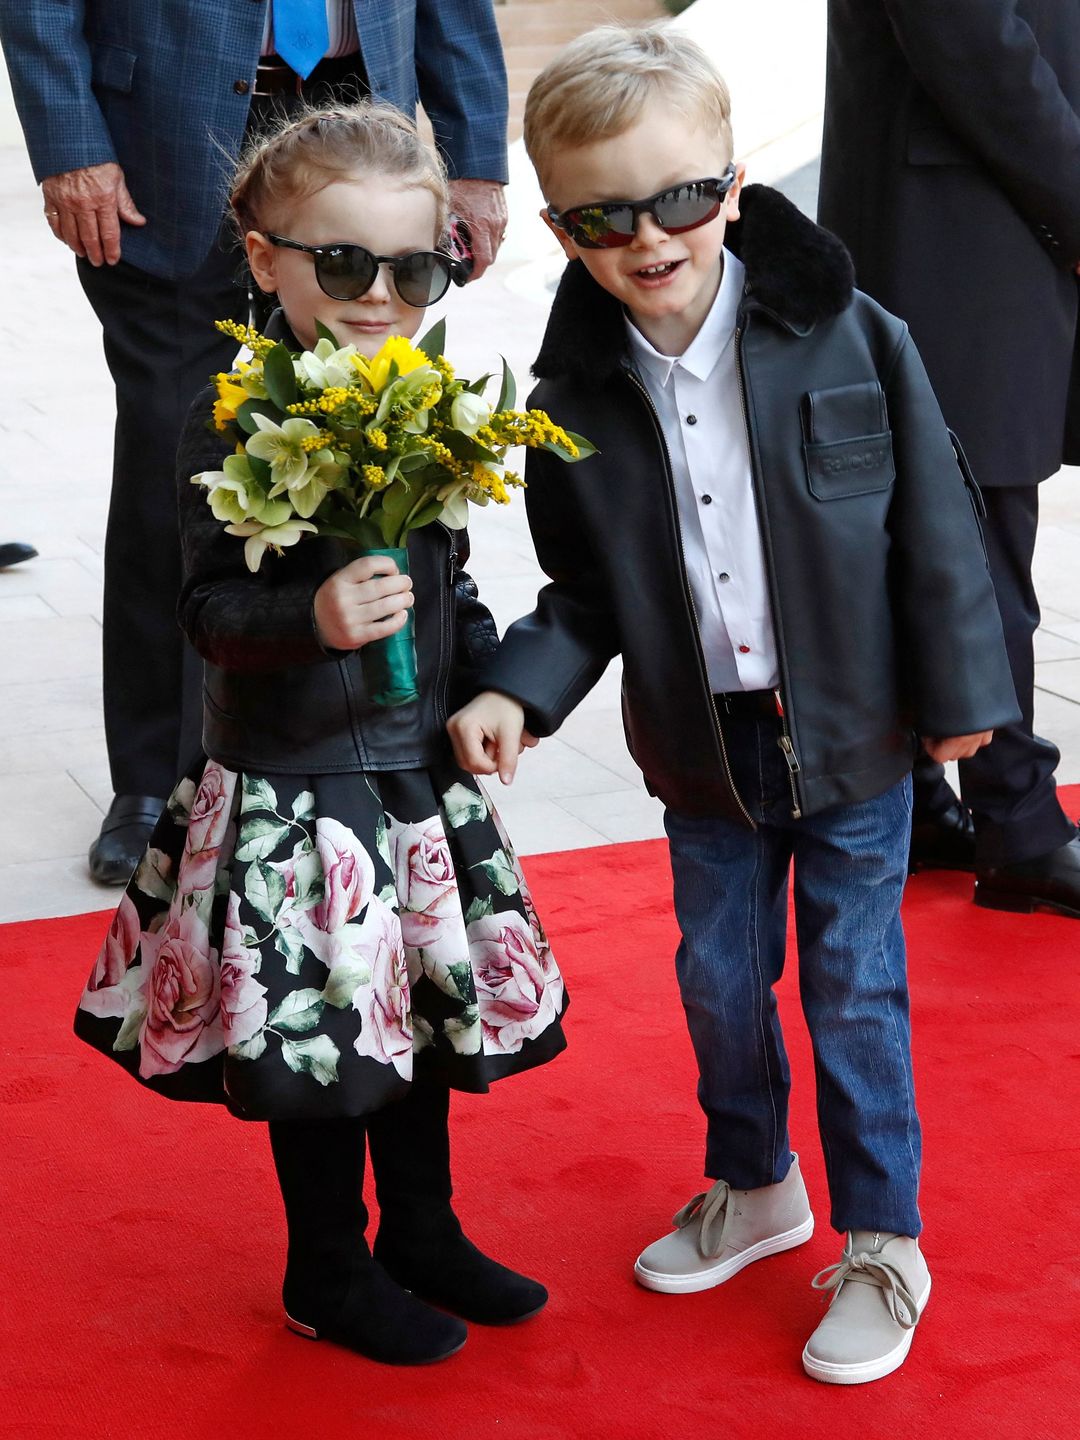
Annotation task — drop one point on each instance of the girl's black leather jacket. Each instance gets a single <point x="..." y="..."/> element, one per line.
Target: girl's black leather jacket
<point x="274" y="698"/>
<point x="884" y="612"/>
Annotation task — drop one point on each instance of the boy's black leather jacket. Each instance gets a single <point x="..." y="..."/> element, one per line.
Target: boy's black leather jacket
<point x="274" y="699"/>
<point x="885" y="616"/>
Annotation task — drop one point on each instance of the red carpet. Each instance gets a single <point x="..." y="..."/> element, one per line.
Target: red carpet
<point x="133" y="1307"/>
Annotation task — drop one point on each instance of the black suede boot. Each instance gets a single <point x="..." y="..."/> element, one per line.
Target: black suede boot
<point x="420" y="1242"/>
<point x="333" y="1289"/>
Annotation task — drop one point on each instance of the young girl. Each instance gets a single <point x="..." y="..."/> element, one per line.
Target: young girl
<point x="329" y="928"/>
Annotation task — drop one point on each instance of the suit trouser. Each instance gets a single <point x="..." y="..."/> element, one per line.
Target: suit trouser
<point x="161" y="348"/>
<point x="1009" y="785"/>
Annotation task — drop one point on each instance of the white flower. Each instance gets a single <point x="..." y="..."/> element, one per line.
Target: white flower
<point x="260" y="538"/>
<point x="281" y="446"/>
<point x="468" y="412"/>
<point x="236" y="496"/>
<point x="325" y="367"/>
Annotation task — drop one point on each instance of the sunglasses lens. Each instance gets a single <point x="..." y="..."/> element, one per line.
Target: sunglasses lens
<point x="600" y="226"/>
<point x="687" y="206"/>
<point x="423" y="278"/>
<point x="345" y="272"/>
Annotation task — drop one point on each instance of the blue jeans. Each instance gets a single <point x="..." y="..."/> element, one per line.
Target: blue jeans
<point x="731" y="883"/>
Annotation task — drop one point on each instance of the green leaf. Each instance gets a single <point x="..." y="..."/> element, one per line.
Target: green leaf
<point x="258" y="794"/>
<point x="259" y="837"/>
<point x="461" y="977"/>
<point x="585" y="448"/>
<point x="299" y="1011"/>
<point x="250" y="1049"/>
<point x="265" y="889"/>
<point x="465" y="1032"/>
<point x="322" y="332"/>
<point x="478" y="386"/>
<point x="344" y="981"/>
<point x="279" y="377"/>
<point x="508" y="390"/>
<point x="425" y="515"/>
<point x="500" y="872"/>
<point x="388" y="896"/>
<point x="303" y="806"/>
<point x="261" y="472"/>
<point x="128" y="1035"/>
<point x="316" y="1057"/>
<point x="434" y="342"/>
<point x="290" y="944"/>
<point x="463" y="805"/>
<point x="479" y="910"/>
<point x="382" y="841"/>
<point x="153" y="877"/>
<point x="250" y="408"/>
<point x="309" y="878"/>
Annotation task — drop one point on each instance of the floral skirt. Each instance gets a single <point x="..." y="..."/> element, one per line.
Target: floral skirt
<point x="299" y="946"/>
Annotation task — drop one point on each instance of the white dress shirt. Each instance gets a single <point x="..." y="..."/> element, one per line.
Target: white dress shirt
<point x="698" y="400"/>
<point x="340" y="22"/>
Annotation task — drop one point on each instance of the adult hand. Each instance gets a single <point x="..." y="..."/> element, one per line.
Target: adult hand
<point x="489" y="734"/>
<point x="482" y="205"/>
<point x="363" y="601"/>
<point x="956" y="747"/>
<point x="84" y="209"/>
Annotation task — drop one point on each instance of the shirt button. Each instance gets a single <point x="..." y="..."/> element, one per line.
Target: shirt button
<point x="691" y="419"/>
<point x="723" y="577"/>
<point x="706" y="499"/>
<point x="744" y="649"/>
<point x="241" y="87"/>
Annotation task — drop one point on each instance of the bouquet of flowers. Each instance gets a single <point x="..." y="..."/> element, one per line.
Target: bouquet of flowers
<point x="332" y="442"/>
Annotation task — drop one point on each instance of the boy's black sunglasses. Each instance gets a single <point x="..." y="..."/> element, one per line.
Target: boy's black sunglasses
<point x="614" y="222"/>
<point x="345" y="272"/>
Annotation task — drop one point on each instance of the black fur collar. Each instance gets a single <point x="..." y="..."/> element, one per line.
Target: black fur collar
<point x="796" y="271"/>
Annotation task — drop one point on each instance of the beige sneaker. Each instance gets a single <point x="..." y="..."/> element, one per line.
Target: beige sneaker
<point x="723" y="1230"/>
<point x="882" y="1286"/>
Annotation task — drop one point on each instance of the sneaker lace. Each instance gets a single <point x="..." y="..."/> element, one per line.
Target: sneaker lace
<point x="869" y="1267"/>
<point x="712" y="1208"/>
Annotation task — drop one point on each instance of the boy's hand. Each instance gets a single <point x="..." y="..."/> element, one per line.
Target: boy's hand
<point x="956" y="747"/>
<point x="489" y="734"/>
<point x="361" y="602"/>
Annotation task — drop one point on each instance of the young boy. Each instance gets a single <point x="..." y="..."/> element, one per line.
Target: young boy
<point x="777" y="538"/>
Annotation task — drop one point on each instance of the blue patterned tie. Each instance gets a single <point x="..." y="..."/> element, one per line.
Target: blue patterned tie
<point x="301" y="35"/>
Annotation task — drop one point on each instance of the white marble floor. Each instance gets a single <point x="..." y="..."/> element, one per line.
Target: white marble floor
<point x="578" y="789"/>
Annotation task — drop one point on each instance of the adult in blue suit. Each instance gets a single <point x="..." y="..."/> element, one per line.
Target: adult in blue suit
<point x="131" y="110"/>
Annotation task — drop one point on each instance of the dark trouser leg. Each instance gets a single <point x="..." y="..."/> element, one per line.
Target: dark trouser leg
<point x="333" y="1289"/>
<point x="933" y="794"/>
<point x="420" y="1242"/>
<point x="1009" y="785"/>
<point x="161" y="347"/>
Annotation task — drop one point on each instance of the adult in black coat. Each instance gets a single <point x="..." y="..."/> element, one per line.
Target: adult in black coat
<point x="951" y="168"/>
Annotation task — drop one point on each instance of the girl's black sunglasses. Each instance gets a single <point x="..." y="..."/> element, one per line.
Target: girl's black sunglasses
<point x="345" y="272"/>
<point x="614" y="222"/>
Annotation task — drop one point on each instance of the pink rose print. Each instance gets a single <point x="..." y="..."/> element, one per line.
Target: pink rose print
<point x="543" y="949"/>
<point x="348" y="885"/>
<point x="515" y="998"/>
<point x="383" y="1004"/>
<point x="243" y="999"/>
<point x="103" y="995"/>
<point x="208" y="824"/>
<point x="183" y="997"/>
<point x="424" y="879"/>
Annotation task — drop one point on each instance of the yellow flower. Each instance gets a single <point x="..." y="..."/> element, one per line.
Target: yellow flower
<point x="395" y="350"/>
<point x="231" y="395"/>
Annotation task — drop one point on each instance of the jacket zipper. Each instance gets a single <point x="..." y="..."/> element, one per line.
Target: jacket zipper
<point x="689" y="594"/>
<point x="787" y="747"/>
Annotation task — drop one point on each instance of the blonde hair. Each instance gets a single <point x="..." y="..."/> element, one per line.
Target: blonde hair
<point x="308" y="151"/>
<point x="599" y="84"/>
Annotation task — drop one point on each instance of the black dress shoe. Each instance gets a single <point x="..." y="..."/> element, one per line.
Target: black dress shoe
<point x="13" y="552"/>
<point x="1049" y="882"/>
<point x="945" y="841"/>
<point x="124" y="835"/>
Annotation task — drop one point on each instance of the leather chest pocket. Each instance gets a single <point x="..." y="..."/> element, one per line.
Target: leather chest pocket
<point x="847" y="442"/>
<point x="113" y="68"/>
